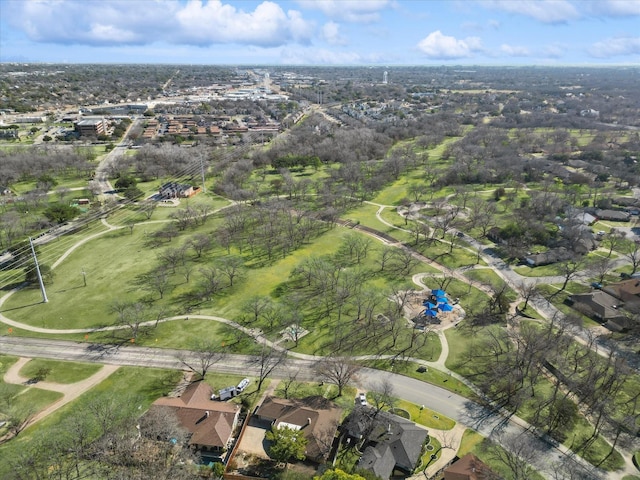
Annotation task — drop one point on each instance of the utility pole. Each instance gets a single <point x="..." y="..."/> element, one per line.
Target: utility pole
<point x="35" y="260"/>
<point x="84" y="277"/>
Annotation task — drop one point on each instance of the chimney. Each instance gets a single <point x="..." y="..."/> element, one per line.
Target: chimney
<point x="207" y="414"/>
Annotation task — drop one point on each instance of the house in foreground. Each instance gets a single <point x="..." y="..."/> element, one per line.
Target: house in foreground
<point x="390" y="444"/>
<point x="210" y="424"/>
<point x="317" y="417"/>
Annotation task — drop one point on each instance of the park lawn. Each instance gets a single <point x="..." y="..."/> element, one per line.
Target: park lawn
<point x="5" y="363"/>
<point x="48" y="254"/>
<point x="425" y="416"/>
<point x="488" y="277"/>
<point x="60" y="372"/>
<point x="183" y="334"/>
<point x="264" y="281"/>
<point x="125" y="386"/>
<point x="470" y="296"/>
<point x="440" y="252"/>
<point x="110" y="275"/>
<point x="432" y="375"/>
<point x="365" y="215"/>
<point x="462" y="341"/>
<point x="37" y="399"/>
<point x="541" y="271"/>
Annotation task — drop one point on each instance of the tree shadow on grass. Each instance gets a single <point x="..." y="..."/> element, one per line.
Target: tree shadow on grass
<point x="20" y="307"/>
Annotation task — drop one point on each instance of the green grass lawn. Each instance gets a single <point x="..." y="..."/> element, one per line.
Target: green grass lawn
<point x="489" y="277"/>
<point x="441" y="252"/>
<point x="541" y="271"/>
<point x="425" y="416"/>
<point x="432" y="375"/>
<point x="60" y="372"/>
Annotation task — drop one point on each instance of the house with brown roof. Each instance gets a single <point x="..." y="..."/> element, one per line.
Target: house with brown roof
<point x="317" y="417"/>
<point x="210" y="423"/>
<point x="468" y="467"/>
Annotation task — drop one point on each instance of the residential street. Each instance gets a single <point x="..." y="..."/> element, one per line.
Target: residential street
<point x="487" y="422"/>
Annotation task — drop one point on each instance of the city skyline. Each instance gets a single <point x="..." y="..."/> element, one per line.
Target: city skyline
<point x="322" y="32"/>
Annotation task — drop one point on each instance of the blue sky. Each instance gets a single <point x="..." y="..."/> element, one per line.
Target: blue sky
<point x="322" y="32"/>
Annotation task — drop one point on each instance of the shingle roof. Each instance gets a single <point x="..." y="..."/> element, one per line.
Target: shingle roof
<point x="388" y="434"/>
<point x="210" y="422"/>
<point x="317" y="417"/>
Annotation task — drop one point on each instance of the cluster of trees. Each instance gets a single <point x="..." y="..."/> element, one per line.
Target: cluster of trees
<point x="31" y="163"/>
<point x="513" y="365"/>
<point x="268" y="230"/>
<point x="296" y="161"/>
<point x="156" y="161"/>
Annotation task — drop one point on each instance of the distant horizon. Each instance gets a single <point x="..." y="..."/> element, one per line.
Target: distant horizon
<point x="322" y="32"/>
<point x="367" y="66"/>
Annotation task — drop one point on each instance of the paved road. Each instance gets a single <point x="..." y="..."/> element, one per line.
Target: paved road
<point x="489" y="423"/>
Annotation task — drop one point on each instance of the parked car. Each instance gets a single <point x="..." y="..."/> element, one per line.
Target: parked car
<point x="361" y="399"/>
<point x="597" y="285"/>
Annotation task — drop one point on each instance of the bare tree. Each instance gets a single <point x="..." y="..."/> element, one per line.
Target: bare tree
<point x="203" y="355"/>
<point x="600" y="267"/>
<point x="382" y="394"/>
<point x="200" y="243"/>
<point x="614" y="239"/>
<point x="267" y="359"/>
<point x="517" y="455"/>
<point x="232" y="267"/>
<point x="632" y="252"/>
<point x="147" y="207"/>
<point x="526" y="290"/>
<point x="130" y="315"/>
<point x="337" y="370"/>
<point x="569" y="270"/>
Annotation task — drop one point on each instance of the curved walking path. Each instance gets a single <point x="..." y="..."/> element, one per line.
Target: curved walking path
<point x="69" y="391"/>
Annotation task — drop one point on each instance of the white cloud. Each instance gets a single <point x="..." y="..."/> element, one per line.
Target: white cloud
<point x="196" y="22"/>
<point x="616" y="8"/>
<point x="515" y="50"/>
<point x="437" y="45"/>
<point x="357" y="11"/>
<point x="613" y="47"/>
<point x="331" y="34"/>
<point x="546" y="11"/>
